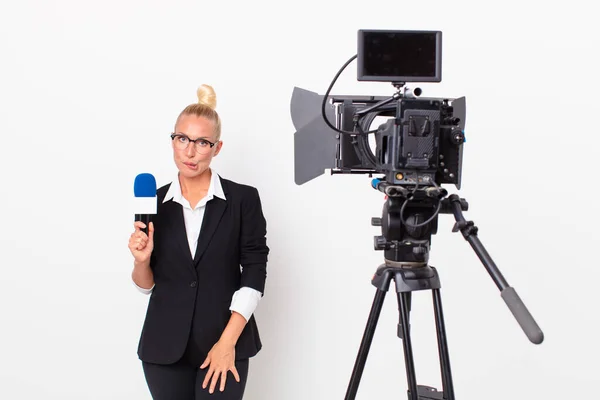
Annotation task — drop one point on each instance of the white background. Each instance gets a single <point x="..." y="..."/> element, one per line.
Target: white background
<point x="89" y="92"/>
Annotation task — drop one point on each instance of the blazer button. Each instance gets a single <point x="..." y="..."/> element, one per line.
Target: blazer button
<point x="193" y="284"/>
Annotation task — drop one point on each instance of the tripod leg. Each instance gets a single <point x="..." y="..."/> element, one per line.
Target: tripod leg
<point x="365" y="344"/>
<point x="448" y="387"/>
<point x="408" y="300"/>
<point x="403" y="305"/>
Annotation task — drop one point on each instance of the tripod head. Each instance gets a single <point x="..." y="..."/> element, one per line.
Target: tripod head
<point x="409" y="220"/>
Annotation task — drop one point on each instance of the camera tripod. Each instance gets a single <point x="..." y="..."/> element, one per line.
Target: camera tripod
<point x="408" y="221"/>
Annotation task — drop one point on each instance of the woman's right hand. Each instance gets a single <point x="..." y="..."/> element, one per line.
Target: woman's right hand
<point x="140" y="244"/>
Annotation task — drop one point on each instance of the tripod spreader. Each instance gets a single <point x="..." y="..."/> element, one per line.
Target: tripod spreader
<point x="509" y="294"/>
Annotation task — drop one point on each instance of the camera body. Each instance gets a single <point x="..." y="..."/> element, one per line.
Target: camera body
<point x="421" y="142"/>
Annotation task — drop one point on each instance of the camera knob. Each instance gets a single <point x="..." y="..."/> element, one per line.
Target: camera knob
<point x="381" y="243"/>
<point x="457" y="136"/>
<point x="419" y="251"/>
<point x="376" y="221"/>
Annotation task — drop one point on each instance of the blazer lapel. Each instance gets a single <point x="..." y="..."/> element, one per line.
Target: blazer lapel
<point x="212" y="216"/>
<point x="178" y="228"/>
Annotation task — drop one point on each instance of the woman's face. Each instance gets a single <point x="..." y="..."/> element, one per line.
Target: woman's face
<point x="193" y="160"/>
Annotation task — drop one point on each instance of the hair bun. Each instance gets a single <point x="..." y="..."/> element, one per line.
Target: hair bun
<point x="206" y="95"/>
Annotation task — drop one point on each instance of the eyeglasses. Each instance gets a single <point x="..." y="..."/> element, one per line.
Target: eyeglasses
<point x="182" y="142"/>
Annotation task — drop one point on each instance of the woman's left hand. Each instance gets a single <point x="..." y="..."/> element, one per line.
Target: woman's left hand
<point x="221" y="359"/>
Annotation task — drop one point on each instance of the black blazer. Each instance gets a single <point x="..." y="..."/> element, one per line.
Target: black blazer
<point x="191" y="297"/>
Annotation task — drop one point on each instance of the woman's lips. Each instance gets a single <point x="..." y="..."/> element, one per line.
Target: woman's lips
<point x="190" y="166"/>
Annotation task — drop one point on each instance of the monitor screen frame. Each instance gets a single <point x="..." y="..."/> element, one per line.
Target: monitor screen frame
<point x="361" y="57"/>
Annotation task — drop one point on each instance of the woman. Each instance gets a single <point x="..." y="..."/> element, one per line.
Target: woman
<point x="199" y="326"/>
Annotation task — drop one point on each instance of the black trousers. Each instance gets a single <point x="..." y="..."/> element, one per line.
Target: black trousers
<point x="183" y="380"/>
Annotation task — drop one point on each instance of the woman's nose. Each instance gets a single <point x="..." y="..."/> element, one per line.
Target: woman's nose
<point x="191" y="149"/>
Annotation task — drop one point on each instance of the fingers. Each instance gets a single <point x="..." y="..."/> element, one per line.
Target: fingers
<point x="213" y="383"/>
<point x="213" y="376"/>
<point x="205" y="363"/>
<point x="137" y="225"/>
<point x="151" y="231"/>
<point x="140" y="234"/>
<point x="223" y="380"/>
<point x="215" y="379"/>
<point x="138" y="241"/>
<point x="234" y="371"/>
<point x="217" y="370"/>
<point x="211" y="370"/>
<point x="141" y="244"/>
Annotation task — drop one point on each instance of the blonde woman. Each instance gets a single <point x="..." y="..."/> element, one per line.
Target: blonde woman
<point x="203" y="263"/>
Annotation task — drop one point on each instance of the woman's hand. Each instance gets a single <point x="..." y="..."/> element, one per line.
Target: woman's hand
<point x="140" y="244"/>
<point x="221" y="359"/>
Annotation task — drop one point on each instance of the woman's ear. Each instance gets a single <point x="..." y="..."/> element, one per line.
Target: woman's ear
<point x="218" y="147"/>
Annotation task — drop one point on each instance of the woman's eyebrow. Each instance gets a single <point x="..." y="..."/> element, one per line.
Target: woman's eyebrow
<point x="186" y="135"/>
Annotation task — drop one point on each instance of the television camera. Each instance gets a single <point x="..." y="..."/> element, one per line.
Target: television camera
<point x="418" y="149"/>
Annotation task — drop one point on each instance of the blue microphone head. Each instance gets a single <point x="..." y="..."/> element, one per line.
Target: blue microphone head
<point x="145" y="185"/>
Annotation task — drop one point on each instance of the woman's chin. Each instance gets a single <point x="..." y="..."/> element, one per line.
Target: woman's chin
<point x="187" y="172"/>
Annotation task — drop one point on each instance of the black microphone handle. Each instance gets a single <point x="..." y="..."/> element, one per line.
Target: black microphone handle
<point x="145" y="218"/>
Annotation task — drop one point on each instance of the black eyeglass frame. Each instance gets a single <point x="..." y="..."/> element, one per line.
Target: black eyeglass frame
<point x="174" y="135"/>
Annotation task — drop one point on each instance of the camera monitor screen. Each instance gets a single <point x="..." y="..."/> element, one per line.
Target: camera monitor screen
<point x="399" y="56"/>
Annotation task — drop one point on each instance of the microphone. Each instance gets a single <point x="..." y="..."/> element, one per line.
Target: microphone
<point x="144" y="189"/>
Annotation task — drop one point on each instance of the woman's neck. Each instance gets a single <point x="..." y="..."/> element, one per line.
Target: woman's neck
<point x="194" y="189"/>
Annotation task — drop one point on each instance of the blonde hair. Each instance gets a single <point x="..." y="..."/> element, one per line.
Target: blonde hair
<point x="205" y="107"/>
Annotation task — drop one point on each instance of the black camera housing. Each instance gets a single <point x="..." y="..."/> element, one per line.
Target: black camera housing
<point x="422" y="139"/>
<point x="421" y="142"/>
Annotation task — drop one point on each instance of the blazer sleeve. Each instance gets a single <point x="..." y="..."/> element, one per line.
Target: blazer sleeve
<point x="253" y="242"/>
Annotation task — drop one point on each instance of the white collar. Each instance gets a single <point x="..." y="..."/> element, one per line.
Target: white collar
<point x="214" y="190"/>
